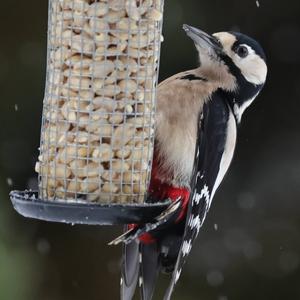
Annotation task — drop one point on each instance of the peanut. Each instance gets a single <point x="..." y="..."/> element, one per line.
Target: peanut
<point x="77" y="5"/>
<point x="128" y="86"/>
<point x="77" y="83"/>
<point x="116" y="118"/>
<point x="73" y="186"/>
<point x="122" y="135"/>
<point x="60" y="171"/>
<point x="154" y="15"/>
<point x="103" y="153"/>
<point x="117" y="4"/>
<point x="114" y="16"/>
<point x="109" y="188"/>
<point x="89" y="185"/>
<point x="132" y="10"/>
<point x="102" y="69"/>
<point x="82" y="44"/>
<point x="70" y="152"/>
<point x="124" y="152"/>
<point x="119" y="165"/>
<point x="107" y="103"/>
<point x="97" y="9"/>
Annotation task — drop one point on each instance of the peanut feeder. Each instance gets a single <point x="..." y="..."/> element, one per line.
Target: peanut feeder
<point x="98" y="114"/>
<point x="98" y="117"/>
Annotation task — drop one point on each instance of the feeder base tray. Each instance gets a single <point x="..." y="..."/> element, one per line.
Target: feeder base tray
<point x="29" y="205"/>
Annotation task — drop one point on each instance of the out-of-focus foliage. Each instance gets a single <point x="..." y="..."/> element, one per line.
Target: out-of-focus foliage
<point x="249" y="247"/>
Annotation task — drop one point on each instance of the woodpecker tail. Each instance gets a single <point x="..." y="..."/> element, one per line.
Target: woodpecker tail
<point x="130" y="270"/>
<point x="149" y="269"/>
<point x="140" y="265"/>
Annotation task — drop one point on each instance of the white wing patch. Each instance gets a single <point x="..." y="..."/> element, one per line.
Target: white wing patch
<point x="195" y="222"/>
<point x="177" y="276"/>
<point x="140" y="281"/>
<point x="186" y="247"/>
<point x="204" y="193"/>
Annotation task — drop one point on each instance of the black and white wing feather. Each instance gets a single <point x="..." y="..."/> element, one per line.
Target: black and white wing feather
<point x="213" y="154"/>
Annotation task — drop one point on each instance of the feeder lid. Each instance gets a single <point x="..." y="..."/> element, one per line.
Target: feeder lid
<point x="28" y="204"/>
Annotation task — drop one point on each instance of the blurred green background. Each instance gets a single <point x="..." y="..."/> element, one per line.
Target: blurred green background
<point x="249" y="247"/>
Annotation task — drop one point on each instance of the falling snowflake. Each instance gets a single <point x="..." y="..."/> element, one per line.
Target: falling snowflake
<point x="9" y="181"/>
<point x="257" y="3"/>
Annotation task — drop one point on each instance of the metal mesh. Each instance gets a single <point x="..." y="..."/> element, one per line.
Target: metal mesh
<point x="98" y="116"/>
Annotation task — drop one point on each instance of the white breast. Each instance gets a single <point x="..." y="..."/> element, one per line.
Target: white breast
<point x="176" y="144"/>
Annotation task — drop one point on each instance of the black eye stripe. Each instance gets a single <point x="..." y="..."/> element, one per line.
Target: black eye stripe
<point x="246" y="40"/>
<point x="235" y="46"/>
<point x="218" y="41"/>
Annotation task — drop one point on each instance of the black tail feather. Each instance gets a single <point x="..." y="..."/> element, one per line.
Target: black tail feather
<point x="149" y="270"/>
<point x="143" y="262"/>
<point x="130" y="270"/>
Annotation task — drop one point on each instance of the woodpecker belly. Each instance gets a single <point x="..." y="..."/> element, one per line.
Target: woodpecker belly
<point x="180" y="100"/>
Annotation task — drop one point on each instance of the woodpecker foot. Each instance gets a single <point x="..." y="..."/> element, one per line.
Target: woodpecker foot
<point x="174" y="194"/>
<point x="142" y="232"/>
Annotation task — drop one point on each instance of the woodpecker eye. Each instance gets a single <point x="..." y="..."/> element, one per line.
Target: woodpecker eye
<point x="242" y="51"/>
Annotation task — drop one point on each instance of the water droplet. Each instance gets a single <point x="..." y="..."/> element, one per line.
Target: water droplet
<point x="43" y="246"/>
<point x="215" y="278"/>
<point x="289" y="261"/>
<point x="252" y="249"/>
<point x="246" y="201"/>
<point x="9" y="181"/>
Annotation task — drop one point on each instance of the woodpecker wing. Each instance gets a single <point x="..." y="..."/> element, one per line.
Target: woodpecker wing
<point x="213" y="155"/>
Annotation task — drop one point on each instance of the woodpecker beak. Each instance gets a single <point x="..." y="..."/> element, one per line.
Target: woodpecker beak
<point x="203" y="40"/>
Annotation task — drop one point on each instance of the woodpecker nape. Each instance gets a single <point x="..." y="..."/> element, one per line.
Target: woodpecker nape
<point x="196" y="127"/>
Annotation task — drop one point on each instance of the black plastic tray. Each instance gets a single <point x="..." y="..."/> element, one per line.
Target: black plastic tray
<point x="29" y="205"/>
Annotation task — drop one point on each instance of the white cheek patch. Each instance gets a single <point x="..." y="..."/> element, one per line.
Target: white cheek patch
<point x="252" y="67"/>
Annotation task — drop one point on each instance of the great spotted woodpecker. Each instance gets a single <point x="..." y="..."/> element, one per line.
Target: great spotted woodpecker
<point x="196" y="127"/>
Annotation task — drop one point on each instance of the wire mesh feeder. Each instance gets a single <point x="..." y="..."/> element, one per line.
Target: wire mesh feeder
<point x="98" y="117"/>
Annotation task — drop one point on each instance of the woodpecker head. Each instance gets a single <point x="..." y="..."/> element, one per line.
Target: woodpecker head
<point x="236" y="56"/>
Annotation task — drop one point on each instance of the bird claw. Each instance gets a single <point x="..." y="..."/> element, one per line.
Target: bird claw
<point x="134" y="233"/>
